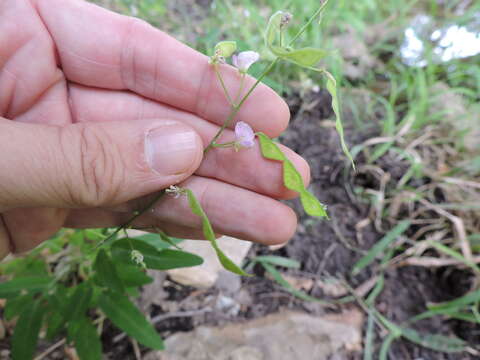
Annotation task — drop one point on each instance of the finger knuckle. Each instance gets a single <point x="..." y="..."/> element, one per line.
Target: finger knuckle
<point x="100" y="171"/>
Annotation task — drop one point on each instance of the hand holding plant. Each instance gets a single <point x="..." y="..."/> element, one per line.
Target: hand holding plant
<point x="132" y="103"/>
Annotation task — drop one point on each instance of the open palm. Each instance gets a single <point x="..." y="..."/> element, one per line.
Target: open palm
<point x="71" y="64"/>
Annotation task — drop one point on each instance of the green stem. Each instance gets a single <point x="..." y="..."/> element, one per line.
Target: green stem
<point x="132" y="219"/>
<point x="240" y="90"/>
<point x="307" y="24"/>
<point x="224" y="145"/>
<point x="220" y="78"/>
<point x="236" y="108"/>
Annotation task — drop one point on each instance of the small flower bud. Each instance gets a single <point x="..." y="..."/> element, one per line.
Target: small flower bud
<point x="137" y="258"/>
<point x="286" y="17"/>
<point x="175" y="191"/>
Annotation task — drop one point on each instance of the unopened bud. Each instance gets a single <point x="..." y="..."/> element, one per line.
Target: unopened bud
<point x="286" y="17"/>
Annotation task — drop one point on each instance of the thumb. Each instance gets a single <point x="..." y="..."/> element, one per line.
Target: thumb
<point x="92" y="164"/>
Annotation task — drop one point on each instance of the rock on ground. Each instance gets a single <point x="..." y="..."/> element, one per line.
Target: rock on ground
<point x="281" y="336"/>
<point x="205" y="275"/>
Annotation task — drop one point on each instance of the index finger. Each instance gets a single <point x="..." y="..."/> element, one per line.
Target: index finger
<point x="99" y="48"/>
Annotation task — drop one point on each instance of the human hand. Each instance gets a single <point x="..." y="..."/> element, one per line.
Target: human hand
<point x="100" y="110"/>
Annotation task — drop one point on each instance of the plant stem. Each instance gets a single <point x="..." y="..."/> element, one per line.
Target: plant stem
<point x="132" y="219"/>
<point x="236" y="108"/>
<point x="240" y="90"/>
<point x="307" y="24"/>
<point x="220" y="78"/>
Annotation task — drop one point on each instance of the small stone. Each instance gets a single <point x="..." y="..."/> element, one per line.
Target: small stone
<point x="204" y="276"/>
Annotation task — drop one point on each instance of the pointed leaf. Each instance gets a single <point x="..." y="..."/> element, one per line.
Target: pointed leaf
<point x="125" y="315"/>
<point x="270" y="150"/>
<point x="292" y="178"/>
<point x="25" y="336"/>
<point x="332" y="89"/>
<point x="154" y="259"/>
<point x="79" y="302"/>
<point x="106" y="273"/>
<point x="159" y="241"/>
<point x="210" y="235"/>
<point x="305" y="57"/>
<point x="133" y="275"/>
<point x="32" y="284"/>
<point x="311" y="205"/>
<point x="15" y="306"/>
<point x="87" y="341"/>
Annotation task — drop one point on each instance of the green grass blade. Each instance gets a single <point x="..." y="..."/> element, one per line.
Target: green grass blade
<point x="435" y="342"/>
<point x="381" y="246"/>
<point x="278" y="261"/>
<point x="286" y="285"/>
<point x="386" y="346"/>
<point x="369" y="337"/>
<point x="460" y="302"/>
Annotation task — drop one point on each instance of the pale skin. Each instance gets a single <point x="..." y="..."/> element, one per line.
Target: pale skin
<point x="80" y="89"/>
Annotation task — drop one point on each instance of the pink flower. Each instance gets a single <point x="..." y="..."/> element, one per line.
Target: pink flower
<point x="244" y="134"/>
<point x="244" y="60"/>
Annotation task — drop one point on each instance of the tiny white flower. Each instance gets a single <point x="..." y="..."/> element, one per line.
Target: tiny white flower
<point x="175" y="191"/>
<point x="244" y="60"/>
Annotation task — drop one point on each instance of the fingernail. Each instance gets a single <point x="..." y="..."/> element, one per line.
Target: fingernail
<point x="171" y="149"/>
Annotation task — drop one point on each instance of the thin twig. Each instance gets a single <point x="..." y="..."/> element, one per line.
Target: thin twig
<point x="51" y="349"/>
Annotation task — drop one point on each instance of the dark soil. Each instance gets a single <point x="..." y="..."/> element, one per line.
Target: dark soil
<point x="324" y="248"/>
<point x="331" y="247"/>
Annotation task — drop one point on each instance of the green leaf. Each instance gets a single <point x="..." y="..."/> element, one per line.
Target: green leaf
<point x="225" y="48"/>
<point x="270" y="150"/>
<point x="57" y="306"/>
<point x="435" y="342"/>
<point x="273" y="28"/>
<point x="305" y="57"/>
<point x="132" y="275"/>
<point x="79" y="302"/>
<point x="25" y="336"/>
<point x="210" y="235"/>
<point x="154" y="259"/>
<point x="32" y="284"/>
<point x="286" y="285"/>
<point x="381" y="246"/>
<point x="311" y="205"/>
<point x="292" y="178"/>
<point x="460" y="302"/>
<point x="15" y="306"/>
<point x="106" y="273"/>
<point x="332" y="89"/>
<point x="125" y="315"/>
<point x="159" y="241"/>
<point x="278" y="261"/>
<point x="87" y="341"/>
